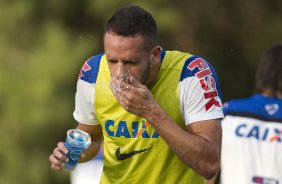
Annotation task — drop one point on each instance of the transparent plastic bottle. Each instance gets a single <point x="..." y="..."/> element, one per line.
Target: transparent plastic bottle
<point x="76" y="142"/>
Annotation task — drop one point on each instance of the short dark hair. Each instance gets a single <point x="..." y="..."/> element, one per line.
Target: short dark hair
<point x="269" y="72"/>
<point x="131" y="21"/>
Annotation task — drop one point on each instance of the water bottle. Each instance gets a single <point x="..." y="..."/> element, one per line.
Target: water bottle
<point x="76" y="142"/>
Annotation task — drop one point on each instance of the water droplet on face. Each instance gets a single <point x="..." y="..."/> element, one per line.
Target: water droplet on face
<point x="122" y="78"/>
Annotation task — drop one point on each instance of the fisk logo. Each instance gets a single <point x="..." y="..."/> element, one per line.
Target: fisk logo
<point x="121" y="129"/>
<point x="207" y="82"/>
<point x="259" y="133"/>
<point x="84" y="68"/>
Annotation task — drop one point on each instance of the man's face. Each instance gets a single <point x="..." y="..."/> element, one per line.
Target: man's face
<point x="127" y="57"/>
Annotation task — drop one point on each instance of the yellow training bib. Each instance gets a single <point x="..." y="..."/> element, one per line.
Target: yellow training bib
<point x="133" y="150"/>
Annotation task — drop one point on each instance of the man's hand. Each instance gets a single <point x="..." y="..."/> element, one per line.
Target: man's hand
<point x="133" y="96"/>
<point x="58" y="158"/>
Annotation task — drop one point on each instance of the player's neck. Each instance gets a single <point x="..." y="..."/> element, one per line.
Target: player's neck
<point x="155" y="68"/>
<point x="269" y="93"/>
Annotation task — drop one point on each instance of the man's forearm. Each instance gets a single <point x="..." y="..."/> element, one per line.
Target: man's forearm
<point x="90" y="152"/>
<point x="96" y="137"/>
<point x="199" y="153"/>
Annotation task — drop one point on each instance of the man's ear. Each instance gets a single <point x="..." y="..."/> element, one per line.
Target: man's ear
<point x="156" y="54"/>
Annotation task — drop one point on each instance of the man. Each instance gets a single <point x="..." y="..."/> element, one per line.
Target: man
<point x="158" y="111"/>
<point x="252" y="128"/>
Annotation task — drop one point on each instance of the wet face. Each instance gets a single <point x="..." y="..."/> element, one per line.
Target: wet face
<point x="127" y="57"/>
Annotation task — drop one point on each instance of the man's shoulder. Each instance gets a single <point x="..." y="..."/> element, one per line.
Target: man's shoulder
<point x="90" y="68"/>
<point x="194" y="66"/>
<point x="237" y="104"/>
<point x="256" y="106"/>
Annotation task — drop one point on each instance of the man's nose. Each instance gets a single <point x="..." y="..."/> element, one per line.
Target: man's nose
<point x="122" y="70"/>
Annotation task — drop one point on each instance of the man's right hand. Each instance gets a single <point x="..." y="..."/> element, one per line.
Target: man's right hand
<point x="58" y="158"/>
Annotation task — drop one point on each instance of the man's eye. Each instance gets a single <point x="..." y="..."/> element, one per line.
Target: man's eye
<point x="112" y="61"/>
<point x="130" y="62"/>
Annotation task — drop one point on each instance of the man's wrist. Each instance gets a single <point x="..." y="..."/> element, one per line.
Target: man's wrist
<point x="154" y="113"/>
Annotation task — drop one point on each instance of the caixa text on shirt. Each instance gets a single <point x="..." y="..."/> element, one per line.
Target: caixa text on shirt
<point x="271" y="134"/>
<point x="137" y="129"/>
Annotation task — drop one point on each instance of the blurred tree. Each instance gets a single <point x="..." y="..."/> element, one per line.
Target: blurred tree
<point x="231" y="35"/>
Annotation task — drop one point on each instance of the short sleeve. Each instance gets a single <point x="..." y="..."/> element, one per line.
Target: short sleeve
<point x="199" y="93"/>
<point x="84" y="103"/>
<point x="85" y="94"/>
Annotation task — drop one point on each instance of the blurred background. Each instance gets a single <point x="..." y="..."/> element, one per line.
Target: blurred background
<point x="43" y="44"/>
